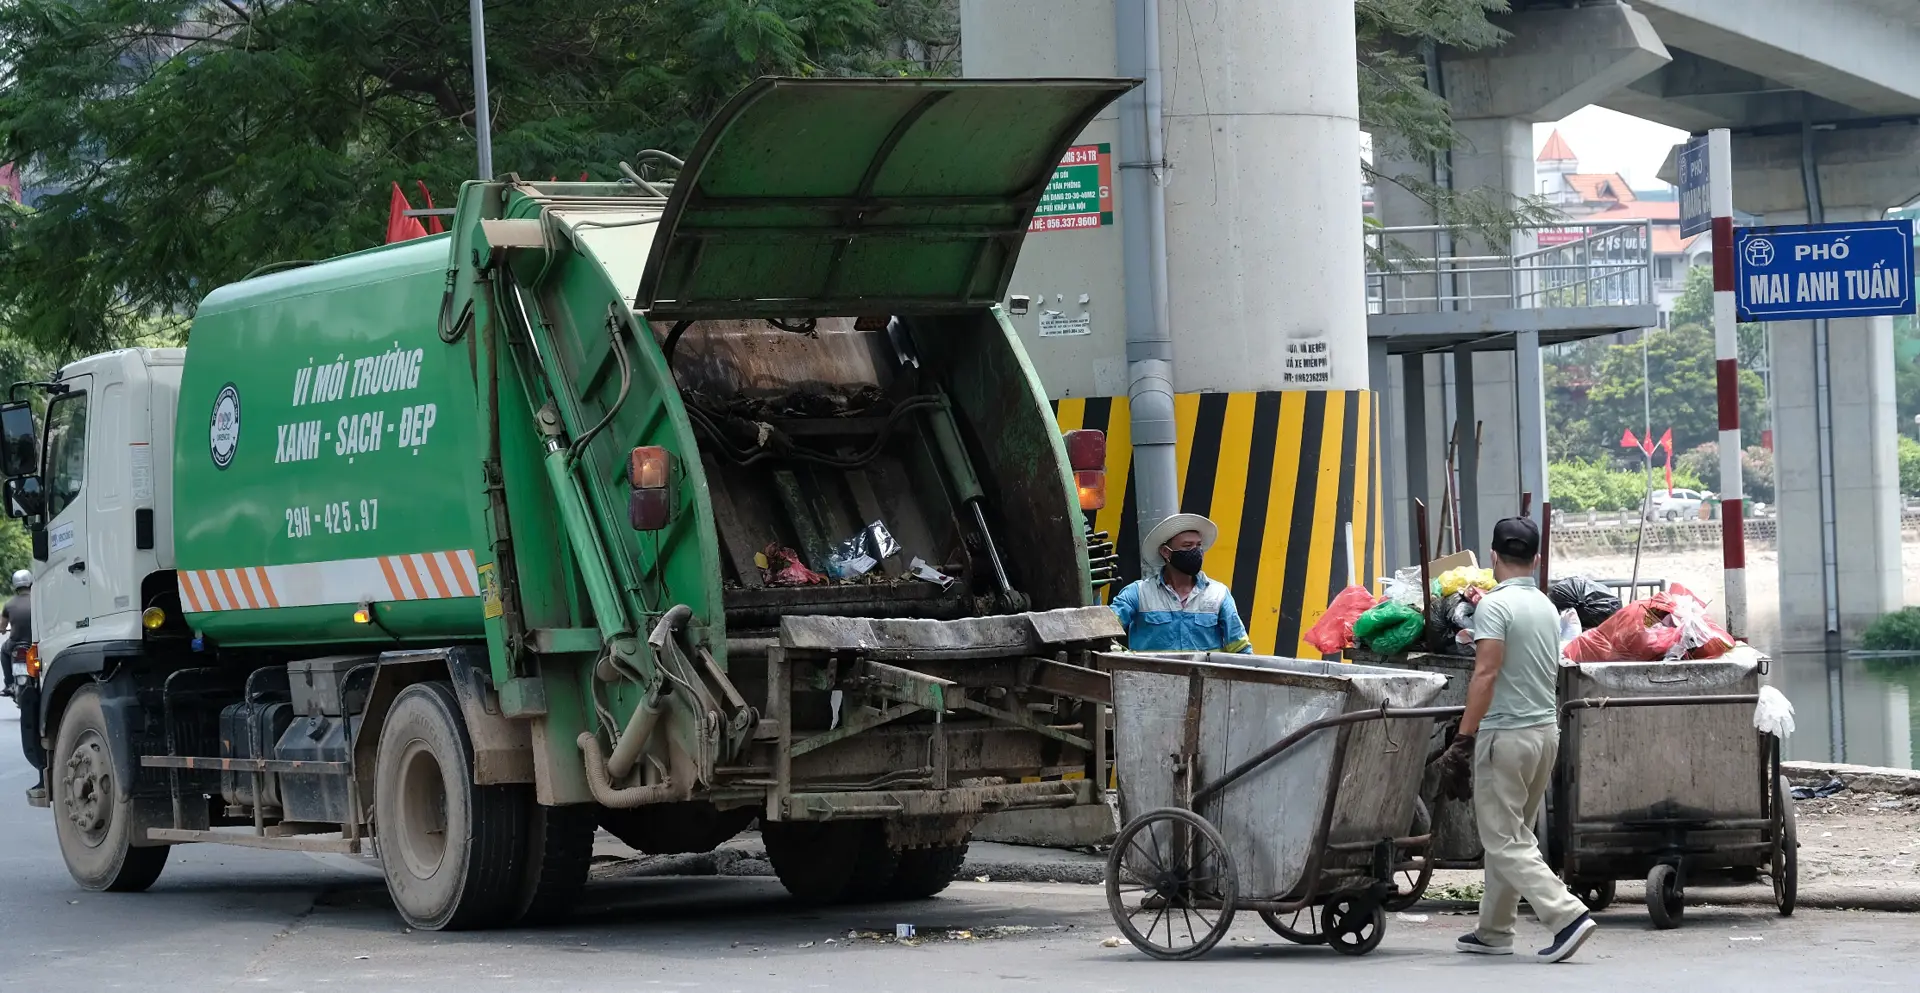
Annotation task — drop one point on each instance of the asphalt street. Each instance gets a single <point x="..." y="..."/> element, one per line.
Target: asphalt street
<point x="225" y="918"/>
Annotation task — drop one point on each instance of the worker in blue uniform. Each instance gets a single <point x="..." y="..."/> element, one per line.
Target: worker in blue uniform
<point x="1179" y="609"/>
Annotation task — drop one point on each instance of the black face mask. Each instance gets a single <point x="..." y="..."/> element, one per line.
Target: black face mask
<point x="1186" y="561"/>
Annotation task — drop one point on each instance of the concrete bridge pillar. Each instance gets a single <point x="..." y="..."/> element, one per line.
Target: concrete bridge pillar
<point x="1556" y="62"/>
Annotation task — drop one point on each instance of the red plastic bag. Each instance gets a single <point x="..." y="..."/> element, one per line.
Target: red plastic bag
<point x="1699" y="636"/>
<point x="1334" y="630"/>
<point x="784" y="568"/>
<point x="1629" y="635"/>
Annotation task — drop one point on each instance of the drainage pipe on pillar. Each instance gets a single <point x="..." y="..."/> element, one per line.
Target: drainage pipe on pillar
<point x="1144" y="259"/>
<point x="1823" y="438"/>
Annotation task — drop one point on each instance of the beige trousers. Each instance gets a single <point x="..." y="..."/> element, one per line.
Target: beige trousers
<point x="1511" y="771"/>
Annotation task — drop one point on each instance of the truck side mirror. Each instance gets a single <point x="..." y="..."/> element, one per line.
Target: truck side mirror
<point x="23" y="497"/>
<point x="19" y="445"/>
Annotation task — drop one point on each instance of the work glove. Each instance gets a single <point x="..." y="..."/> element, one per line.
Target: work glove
<point x="1455" y="769"/>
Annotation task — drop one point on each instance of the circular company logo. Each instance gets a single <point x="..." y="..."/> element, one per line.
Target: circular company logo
<point x="1759" y="252"/>
<point x="224" y="436"/>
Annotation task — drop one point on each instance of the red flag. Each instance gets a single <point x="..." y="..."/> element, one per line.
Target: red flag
<point x="1669" y="470"/>
<point x="433" y="223"/>
<point x="1628" y="440"/>
<point x="1666" y="439"/>
<point x="400" y="227"/>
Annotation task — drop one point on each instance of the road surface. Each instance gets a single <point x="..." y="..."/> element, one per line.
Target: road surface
<point x="234" y="919"/>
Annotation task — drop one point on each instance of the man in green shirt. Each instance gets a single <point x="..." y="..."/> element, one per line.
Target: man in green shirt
<point x="1508" y="740"/>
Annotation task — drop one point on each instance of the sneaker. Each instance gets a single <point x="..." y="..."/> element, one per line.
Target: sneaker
<point x="1568" y="940"/>
<point x="1472" y="945"/>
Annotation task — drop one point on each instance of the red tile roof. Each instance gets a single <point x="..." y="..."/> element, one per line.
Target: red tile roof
<point x="1600" y="187"/>
<point x="1557" y="150"/>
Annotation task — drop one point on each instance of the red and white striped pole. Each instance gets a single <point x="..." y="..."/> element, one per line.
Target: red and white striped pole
<point x="1726" y="349"/>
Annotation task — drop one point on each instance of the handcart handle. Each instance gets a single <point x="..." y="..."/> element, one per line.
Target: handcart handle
<point x="1608" y="702"/>
<point x="1384" y="712"/>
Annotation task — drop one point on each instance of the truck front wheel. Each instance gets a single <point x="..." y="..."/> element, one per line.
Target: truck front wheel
<point x="453" y="852"/>
<point x="95" y="827"/>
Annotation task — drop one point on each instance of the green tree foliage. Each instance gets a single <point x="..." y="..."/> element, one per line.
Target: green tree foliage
<point x="1410" y="124"/>
<point x="1595" y="484"/>
<point x="197" y="140"/>
<point x="1895" y="632"/>
<point x="1594" y="392"/>
<point x="1909" y="466"/>
<point x="1756" y="469"/>
<point x="16" y="550"/>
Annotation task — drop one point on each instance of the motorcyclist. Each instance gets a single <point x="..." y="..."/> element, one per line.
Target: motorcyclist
<point x="16" y="624"/>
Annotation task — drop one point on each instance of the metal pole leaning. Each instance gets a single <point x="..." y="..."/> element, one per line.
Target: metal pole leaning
<point x="1726" y="342"/>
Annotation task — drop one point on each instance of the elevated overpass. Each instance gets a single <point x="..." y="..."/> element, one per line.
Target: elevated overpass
<point x="1823" y="99"/>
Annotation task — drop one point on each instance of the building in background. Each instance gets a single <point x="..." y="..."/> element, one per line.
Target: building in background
<point x="1605" y="196"/>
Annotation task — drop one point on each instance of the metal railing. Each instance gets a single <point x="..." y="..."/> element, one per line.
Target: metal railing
<point x="1572" y="264"/>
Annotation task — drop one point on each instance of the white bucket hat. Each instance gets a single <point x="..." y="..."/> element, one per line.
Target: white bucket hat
<point x="1166" y="530"/>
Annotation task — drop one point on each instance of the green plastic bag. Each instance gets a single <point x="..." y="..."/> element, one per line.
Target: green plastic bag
<point x="1388" y="628"/>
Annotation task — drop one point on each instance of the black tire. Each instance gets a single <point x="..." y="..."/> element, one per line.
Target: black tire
<point x="1666" y="901"/>
<point x="1786" y="855"/>
<point x="1182" y="865"/>
<point x="95" y="828"/>
<point x="1353" y="927"/>
<point x="1410" y="878"/>
<point x="1290" y="927"/>
<point x="559" y="853"/>
<point x="1597" y="894"/>
<point x="453" y="852"/>
<point x="834" y="862"/>
<point x="924" y="872"/>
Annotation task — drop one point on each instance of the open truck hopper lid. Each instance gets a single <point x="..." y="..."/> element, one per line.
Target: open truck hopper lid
<point x="843" y="197"/>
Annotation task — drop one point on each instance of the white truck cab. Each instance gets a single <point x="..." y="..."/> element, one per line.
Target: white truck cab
<point x="105" y="474"/>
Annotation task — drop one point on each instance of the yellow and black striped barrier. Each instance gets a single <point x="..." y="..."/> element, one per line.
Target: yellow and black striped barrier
<point x="1281" y="473"/>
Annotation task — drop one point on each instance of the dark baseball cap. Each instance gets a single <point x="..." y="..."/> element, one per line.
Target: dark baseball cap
<point x="1517" y="538"/>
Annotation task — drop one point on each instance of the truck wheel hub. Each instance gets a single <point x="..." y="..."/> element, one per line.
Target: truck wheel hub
<point x="423" y="811"/>
<point x="89" y="792"/>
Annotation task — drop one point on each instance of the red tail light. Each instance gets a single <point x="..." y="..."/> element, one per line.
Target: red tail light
<point x="1092" y="485"/>
<point x="649" y="468"/>
<point x="649" y="510"/>
<point x="1086" y="450"/>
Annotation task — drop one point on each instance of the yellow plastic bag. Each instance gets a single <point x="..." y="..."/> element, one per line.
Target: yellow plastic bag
<point x="1454" y="580"/>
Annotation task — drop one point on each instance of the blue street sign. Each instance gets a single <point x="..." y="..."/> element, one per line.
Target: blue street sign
<point x="1805" y="272"/>
<point x="1696" y="202"/>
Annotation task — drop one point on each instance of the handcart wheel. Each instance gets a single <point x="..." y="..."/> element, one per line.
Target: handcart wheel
<point x="1170" y="868"/>
<point x="1666" y="901"/>
<point x="1410" y="878"/>
<point x="1302" y="927"/>
<point x="1354" y="929"/>
<point x="1786" y="852"/>
<point x="1597" y="894"/>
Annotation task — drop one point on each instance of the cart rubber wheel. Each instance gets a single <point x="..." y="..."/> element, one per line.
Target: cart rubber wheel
<point x="1290" y="928"/>
<point x="1786" y="853"/>
<point x="1410" y="878"/>
<point x="1354" y="929"/>
<point x="1666" y="901"/>
<point x="1170" y="867"/>
<point x="1597" y="894"/>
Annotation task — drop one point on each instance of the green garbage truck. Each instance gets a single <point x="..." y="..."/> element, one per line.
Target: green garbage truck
<point x="723" y="494"/>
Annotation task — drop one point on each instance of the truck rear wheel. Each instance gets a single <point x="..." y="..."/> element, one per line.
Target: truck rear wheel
<point x="452" y="852"/>
<point x="94" y="826"/>
<point x="834" y="862"/>
<point x="923" y="872"/>
<point x="559" y="853"/>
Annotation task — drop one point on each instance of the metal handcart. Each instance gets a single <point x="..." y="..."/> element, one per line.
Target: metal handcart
<point x="1662" y="776"/>
<point x="1270" y="784"/>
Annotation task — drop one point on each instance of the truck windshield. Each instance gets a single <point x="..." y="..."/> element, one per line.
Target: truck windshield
<point x="66" y="451"/>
